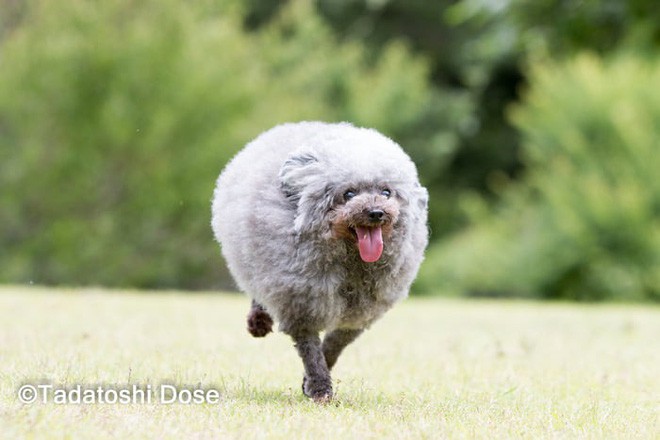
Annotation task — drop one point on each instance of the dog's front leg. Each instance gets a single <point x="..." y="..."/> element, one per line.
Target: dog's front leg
<point x="259" y="322"/>
<point x="317" y="383"/>
<point x="335" y="341"/>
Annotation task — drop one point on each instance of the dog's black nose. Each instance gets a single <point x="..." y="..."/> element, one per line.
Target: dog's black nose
<point x="376" y="215"/>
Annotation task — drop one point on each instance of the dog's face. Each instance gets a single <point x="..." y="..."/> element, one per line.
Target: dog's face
<point x="362" y="189"/>
<point x="364" y="215"/>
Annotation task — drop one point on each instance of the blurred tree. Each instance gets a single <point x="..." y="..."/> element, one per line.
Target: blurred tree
<point x="457" y="145"/>
<point x="476" y="51"/>
<point x="585" y="221"/>
<point x="12" y="13"/>
<point x="116" y="118"/>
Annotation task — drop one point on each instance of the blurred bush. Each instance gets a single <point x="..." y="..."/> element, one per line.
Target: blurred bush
<point x="476" y="50"/>
<point x="116" y="117"/>
<point x="584" y="223"/>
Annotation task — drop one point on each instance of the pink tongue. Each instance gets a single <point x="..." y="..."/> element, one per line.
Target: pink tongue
<point x="370" y="242"/>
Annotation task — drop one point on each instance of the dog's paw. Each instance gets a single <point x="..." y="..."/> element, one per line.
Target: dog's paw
<point x="319" y="390"/>
<point x="259" y="323"/>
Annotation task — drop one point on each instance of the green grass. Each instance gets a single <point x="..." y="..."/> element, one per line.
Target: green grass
<point x="431" y="368"/>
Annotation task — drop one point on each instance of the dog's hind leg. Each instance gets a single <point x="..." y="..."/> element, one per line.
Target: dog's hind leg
<point x="259" y="322"/>
<point x="317" y="383"/>
<point x="335" y="341"/>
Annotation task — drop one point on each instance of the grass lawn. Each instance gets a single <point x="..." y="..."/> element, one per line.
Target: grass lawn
<point x="431" y="368"/>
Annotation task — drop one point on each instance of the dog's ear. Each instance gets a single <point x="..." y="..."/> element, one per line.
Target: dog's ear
<point x="299" y="170"/>
<point x="420" y="201"/>
<point x="417" y="199"/>
<point x="305" y="184"/>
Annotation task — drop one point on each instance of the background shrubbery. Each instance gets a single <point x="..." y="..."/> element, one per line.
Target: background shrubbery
<point x="116" y="117"/>
<point x="584" y="223"/>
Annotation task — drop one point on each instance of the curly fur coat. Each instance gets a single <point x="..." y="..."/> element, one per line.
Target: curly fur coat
<point x="324" y="226"/>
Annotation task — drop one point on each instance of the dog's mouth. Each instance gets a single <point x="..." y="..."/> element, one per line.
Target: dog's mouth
<point x="370" y="242"/>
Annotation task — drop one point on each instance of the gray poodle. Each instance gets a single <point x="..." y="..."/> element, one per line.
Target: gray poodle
<point x="324" y="226"/>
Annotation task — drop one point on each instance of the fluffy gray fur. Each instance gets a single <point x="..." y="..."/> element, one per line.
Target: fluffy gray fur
<point x="286" y="225"/>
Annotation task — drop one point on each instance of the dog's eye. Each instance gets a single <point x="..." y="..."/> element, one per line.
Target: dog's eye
<point x="348" y="195"/>
<point x="386" y="192"/>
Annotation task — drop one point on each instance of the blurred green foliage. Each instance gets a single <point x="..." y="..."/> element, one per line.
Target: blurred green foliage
<point x="477" y="50"/>
<point x="584" y="223"/>
<point x="116" y="118"/>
